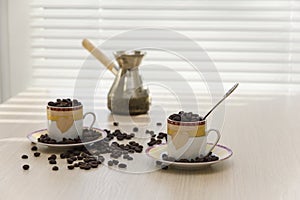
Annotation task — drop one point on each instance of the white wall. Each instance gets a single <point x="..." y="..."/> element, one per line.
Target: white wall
<point x="4" y="63"/>
<point x="14" y="50"/>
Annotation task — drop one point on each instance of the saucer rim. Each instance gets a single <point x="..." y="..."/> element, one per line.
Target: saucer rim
<point x="32" y="139"/>
<point x="195" y="164"/>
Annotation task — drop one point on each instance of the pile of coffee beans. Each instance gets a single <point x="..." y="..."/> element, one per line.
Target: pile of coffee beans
<point x="185" y="117"/>
<point x="156" y="139"/>
<point x="64" y="103"/>
<point x="116" y="149"/>
<point x="87" y="136"/>
<point x="209" y="158"/>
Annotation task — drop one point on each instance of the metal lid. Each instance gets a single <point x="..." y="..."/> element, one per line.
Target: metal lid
<point x="129" y="59"/>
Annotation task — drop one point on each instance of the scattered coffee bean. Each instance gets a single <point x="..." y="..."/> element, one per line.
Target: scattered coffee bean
<point x="116" y="123"/>
<point x="158" y="141"/>
<point x="70" y="167"/>
<point x="55" y="168"/>
<point x="115" y="162"/>
<point x="164" y="167"/>
<point x="94" y="164"/>
<point x="37" y="154"/>
<point x="122" y="165"/>
<point x="52" y="157"/>
<point x="52" y="162"/>
<point x="87" y="167"/>
<point x="25" y="167"/>
<point x="62" y="155"/>
<point x="129" y="158"/>
<point x="135" y="129"/>
<point x="34" y="148"/>
<point x="110" y="163"/>
<point x="70" y="161"/>
<point x="24" y="157"/>
<point x="158" y="124"/>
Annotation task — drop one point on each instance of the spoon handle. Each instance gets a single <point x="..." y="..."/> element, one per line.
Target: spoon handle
<point x="224" y="97"/>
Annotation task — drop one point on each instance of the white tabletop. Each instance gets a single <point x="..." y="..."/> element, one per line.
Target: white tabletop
<point x="262" y="131"/>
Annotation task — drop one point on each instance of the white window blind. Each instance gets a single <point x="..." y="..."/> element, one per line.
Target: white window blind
<point x="254" y="42"/>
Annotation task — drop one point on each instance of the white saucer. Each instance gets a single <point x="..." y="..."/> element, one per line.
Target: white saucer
<point x="33" y="137"/>
<point x="221" y="151"/>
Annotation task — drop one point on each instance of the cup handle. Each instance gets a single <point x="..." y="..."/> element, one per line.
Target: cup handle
<point x="215" y="143"/>
<point x="94" y="118"/>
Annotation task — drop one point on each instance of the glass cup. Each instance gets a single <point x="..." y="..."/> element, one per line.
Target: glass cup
<point x="66" y="122"/>
<point x="188" y="140"/>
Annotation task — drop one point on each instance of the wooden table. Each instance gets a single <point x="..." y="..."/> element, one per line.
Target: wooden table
<point x="262" y="131"/>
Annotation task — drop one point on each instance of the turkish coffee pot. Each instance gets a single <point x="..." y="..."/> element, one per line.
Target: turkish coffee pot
<point x="127" y="95"/>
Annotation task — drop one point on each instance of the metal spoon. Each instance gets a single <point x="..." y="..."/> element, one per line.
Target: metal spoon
<point x="224" y="97"/>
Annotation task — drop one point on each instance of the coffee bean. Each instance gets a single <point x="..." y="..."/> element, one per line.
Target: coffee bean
<point x="77" y="153"/>
<point x="24" y="157"/>
<point x="101" y="158"/>
<point x="120" y="137"/>
<point x="74" y="158"/>
<point x="25" y="167"/>
<point x="128" y="137"/>
<point x="151" y="133"/>
<point x="135" y="129"/>
<point x="115" y="162"/>
<point x="70" y="167"/>
<point x="94" y="164"/>
<point x="164" y="167"/>
<point x="151" y="143"/>
<point x="62" y="155"/>
<point x="53" y="156"/>
<point x="87" y="167"/>
<point x="52" y="162"/>
<point x="129" y="158"/>
<point x="158" y="162"/>
<point x="158" y="141"/>
<point x="122" y="165"/>
<point x="34" y="148"/>
<point x="138" y="149"/>
<point x="110" y="163"/>
<point x="116" y="123"/>
<point x="158" y="124"/>
<point x="51" y="103"/>
<point x="37" y="154"/>
<point x="55" y="168"/>
<point x="70" y="161"/>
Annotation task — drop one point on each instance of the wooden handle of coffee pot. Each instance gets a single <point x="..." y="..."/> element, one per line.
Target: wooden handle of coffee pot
<point x="99" y="55"/>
